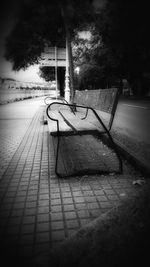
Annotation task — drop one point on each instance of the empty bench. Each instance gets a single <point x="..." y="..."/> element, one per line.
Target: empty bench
<point x="91" y="113"/>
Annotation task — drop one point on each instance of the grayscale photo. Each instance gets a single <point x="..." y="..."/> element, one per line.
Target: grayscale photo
<point x="74" y="133"/>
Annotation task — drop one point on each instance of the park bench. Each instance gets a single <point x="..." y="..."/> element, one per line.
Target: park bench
<point x="91" y="113"/>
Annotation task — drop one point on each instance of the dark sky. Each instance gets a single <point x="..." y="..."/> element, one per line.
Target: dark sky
<point x="7" y="11"/>
<point x="8" y="7"/>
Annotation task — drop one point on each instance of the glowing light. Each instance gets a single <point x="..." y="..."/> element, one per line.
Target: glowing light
<point x="77" y="70"/>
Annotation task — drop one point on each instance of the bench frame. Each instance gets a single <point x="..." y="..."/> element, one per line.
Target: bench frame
<point x="75" y="132"/>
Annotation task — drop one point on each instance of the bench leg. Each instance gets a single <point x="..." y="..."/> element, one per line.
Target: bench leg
<point x="116" y="151"/>
<point x="57" y="154"/>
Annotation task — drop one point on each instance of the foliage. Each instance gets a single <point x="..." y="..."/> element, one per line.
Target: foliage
<point x="48" y="74"/>
<point x="124" y="29"/>
<point x="97" y="64"/>
<point x="119" y="47"/>
<point x="41" y="22"/>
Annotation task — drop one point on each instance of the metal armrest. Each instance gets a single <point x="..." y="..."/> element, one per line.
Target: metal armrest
<point x="52" y="118"/>
<point x="71" y="106"/>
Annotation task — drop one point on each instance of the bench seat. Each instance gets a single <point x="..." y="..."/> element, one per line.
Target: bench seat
<point x="71" y="124"/>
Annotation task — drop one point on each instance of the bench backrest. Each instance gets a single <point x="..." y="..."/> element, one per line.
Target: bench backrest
<point x="105" y="100"/>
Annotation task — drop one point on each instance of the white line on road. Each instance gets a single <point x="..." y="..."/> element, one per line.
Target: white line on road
<point x="133" y="106"/>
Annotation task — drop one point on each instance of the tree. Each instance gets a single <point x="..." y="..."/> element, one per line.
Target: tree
<point x="98" y="67"/>
<point x="120" y="46"/>
<point x="48" y="74"/>
<point x="44" y="22"/>
<point x="124" y="28"/>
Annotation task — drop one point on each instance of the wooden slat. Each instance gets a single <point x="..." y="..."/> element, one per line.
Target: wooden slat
<point x="69" y="124"/>
<point x="102" y="99"/>
<point x="78" y="124"/>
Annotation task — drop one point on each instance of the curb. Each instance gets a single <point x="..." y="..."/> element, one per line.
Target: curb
<point x="140" y="166"/>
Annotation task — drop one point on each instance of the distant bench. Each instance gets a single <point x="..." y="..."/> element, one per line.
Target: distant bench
<point x="91" y="113"/>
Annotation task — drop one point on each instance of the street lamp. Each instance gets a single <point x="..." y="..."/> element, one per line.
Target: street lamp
<point x="77" y="70"/>
<point x="67" y="88"/>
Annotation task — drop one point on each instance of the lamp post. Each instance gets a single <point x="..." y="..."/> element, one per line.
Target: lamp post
<point x="67" y="80"/>
<point x="56" y="79"/>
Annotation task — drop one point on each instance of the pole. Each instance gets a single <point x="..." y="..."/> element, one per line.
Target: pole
<point x="68" y="67"/>
<point x="56" y="72"/>
<point x="67" y="88"/>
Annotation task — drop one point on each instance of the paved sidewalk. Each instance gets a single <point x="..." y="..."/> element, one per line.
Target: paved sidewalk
<point x="39" y="210"/>
<point x="15" y="119"/>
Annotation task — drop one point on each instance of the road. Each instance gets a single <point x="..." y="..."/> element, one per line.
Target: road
<point x="133" y="119"/>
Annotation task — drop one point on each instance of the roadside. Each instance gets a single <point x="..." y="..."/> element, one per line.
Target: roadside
<point x="131" y="131"/>
<point x="135" y="151"/>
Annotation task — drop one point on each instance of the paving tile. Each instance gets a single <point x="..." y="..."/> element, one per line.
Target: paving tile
<point x="40" y="249"/>
<point x="56" y="201"/>
<point x="71" y="232"/>
<point x="77" y="193"/>
<point x="27" y="228"/>
<point x="13" y="230"/>
<point x="88" y="193"/>
<point x="79" y="199"/>
<point x="44" y="196"/>
<point x="56" y="208"/>
<point x="57" y="225"/>
<point x="95" y="212"/>
<point x="69" y="207"/>
<point x="28" y="219"/>
<point x="105" y="204"/>
<point x="43" y="227"/>
<point x="58" y="235"/>
<point x="90" y="198"/>
<point x="67" y="200"/>
<point x="43" y="209"/>
<point x="31" y="204"/>
<point x="72" y="224"/>
<point x="43" y="202"/>
<point x="84" y="222"/>
<point x="113" y="197"/>
<point x="92" y="205"/>
<point x="17" y="212"/>
<point x="19" y="204"/>
<point x="102" y="198"/>
<point x="56" y="216"/>
<point x="66" y="194"/>
<point x="55" y="195"/>
<point x="30" y="211"/>
<point x="69" y="215"/>
<point x="83" y="213"/>
<point x="80" y="206"/>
